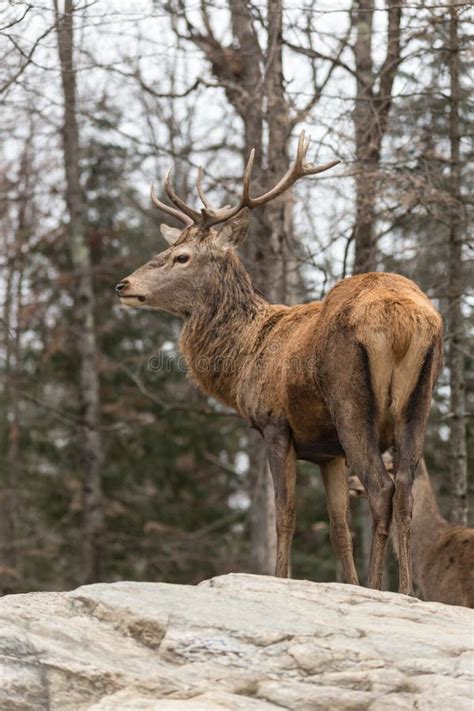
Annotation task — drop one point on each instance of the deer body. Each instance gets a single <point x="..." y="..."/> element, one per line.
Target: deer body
<point x="342" y="378"/>
<point x="263" y="359"/>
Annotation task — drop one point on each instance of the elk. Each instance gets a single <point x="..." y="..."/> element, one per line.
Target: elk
<point x="443" y="554"/>
<point x="342" y="378"/>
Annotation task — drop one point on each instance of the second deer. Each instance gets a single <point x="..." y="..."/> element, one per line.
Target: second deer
<point x="443" y="554"/>
<point x="345" y="377"/>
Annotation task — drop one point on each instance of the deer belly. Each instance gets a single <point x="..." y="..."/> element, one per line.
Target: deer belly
<point x="315" y="436"/>
<point x="319" y="450"/>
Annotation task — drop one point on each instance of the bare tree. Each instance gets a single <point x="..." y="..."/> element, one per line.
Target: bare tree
<point x="11" y="424"/>
<point x="11" y="431"/>
<point x="455" y="287"/>
<point x="371" y="111"/>
<point x="83" y="295"/>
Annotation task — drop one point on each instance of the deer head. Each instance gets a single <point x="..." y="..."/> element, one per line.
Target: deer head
<point x="180" y="277"/>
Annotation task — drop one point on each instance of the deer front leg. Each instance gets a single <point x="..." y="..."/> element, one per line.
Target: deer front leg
<point x="337" y="496"/>
<point x="282" y="459"/>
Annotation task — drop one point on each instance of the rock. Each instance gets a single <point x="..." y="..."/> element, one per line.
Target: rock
<point x="234" y="643"/>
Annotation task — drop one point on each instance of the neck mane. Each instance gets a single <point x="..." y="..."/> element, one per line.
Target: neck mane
<point x="218" y="335"/>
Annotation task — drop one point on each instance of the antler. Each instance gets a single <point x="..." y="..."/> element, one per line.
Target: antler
<point x="297" y="170"/>
<point x="211" y="216"/>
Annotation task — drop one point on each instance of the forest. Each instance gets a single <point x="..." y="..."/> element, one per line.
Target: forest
<point x="113" y="465"/>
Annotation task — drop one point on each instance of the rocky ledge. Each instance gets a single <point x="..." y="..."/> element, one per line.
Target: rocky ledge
<point x="237" y="642"/>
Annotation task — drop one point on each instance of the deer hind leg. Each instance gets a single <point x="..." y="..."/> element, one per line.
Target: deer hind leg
<point x="365" y="458"/>
<point x="337" y="495"/>
<point x="282" y="459"/>
<point x="411" y="416"/>
<point x="349" y="396"/>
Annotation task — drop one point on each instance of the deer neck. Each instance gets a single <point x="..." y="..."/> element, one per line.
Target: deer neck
<point x="218" y="336"/>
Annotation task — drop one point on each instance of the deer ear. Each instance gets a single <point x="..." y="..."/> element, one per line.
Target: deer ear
<point x="171" y="234"/>
<point x="234" y="231"/>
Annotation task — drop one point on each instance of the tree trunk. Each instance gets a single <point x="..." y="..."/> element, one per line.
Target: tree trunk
<point x="8" y="490"/>
<point x="367" y="160"/>
<point x="371" y="113"/>
<point x="458" y="453"/>
<point x="262" y="521"/>
<point x="364" y="228"/>
<point x="13" y="367"/>
<point x="83" y="295"/>
<point x="13" y="457"/>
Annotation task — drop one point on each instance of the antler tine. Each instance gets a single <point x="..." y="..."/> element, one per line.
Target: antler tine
<point x="303" y="144"/>
<point x="312" y="169"/>
<point x="168" y="209"/>
<point x="302" y="149"/>
<point x="212" y="216"/>
<point x="245" y="200"/>
<point x="200" y="191"/>
<point x="296" y="170"/>
<point x="193" y="214"/>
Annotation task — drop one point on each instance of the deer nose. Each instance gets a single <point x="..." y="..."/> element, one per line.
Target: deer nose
<point x="121" y="286"/>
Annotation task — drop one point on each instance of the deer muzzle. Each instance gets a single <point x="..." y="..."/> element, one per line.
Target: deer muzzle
<point x="123" y="291"/>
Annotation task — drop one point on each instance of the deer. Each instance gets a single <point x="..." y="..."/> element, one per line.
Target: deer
<point x="331" y="381"/>
<point x="443" y="554"/>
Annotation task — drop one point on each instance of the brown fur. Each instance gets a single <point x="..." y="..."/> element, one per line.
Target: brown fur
<point x="344" y="377"/>
<point x="272" y="350"/>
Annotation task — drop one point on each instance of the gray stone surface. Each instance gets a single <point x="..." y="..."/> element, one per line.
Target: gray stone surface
<point x="234" y="643"/>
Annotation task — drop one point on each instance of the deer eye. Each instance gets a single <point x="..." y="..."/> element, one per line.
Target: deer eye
<point x="182" y="258"/>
